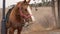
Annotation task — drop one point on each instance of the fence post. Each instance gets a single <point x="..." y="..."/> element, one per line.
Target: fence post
<point x="3" y="29"/>
<point x="54" y="13"/>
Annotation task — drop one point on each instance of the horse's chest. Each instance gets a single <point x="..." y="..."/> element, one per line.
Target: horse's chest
<point x="17" y="25"/>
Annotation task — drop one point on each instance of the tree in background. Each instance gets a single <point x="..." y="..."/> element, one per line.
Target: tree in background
<point x="43" y="3"/>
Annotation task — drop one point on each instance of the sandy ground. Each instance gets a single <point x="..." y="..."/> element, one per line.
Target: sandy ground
<point x="44" y="21"/>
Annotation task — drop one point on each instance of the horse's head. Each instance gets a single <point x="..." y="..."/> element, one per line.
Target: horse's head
<point x="24" y="12"/>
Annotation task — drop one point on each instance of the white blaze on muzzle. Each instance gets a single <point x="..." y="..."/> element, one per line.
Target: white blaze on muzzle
<point x="29" y="10"/>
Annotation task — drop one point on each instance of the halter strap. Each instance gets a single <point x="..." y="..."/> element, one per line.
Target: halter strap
<point x="23" y="15"/>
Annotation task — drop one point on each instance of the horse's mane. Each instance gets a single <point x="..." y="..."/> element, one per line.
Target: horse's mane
<point x="14" y="11"/>
<point x="8" y="13"/>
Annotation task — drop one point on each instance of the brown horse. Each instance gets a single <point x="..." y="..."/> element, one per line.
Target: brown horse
<point x="17" y="18"/>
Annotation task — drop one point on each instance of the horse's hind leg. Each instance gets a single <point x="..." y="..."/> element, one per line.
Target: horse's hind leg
<point x="11" y="30"/>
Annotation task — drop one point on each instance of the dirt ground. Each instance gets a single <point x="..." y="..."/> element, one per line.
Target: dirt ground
<point x="44" y="21"/>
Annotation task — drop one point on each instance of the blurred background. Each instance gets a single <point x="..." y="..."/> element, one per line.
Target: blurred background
<point x="45" y="13"/>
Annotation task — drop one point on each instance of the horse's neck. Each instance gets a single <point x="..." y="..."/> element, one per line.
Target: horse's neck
<point x="14" y="14"/>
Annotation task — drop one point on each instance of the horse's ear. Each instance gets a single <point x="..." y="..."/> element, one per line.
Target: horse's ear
<point x="27" y="1"/>
<point x="19" y="4"/>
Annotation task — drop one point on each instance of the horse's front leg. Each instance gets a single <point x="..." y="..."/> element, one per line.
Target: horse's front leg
<point x="11" y="30"/>
<point x="19" y="30"/>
